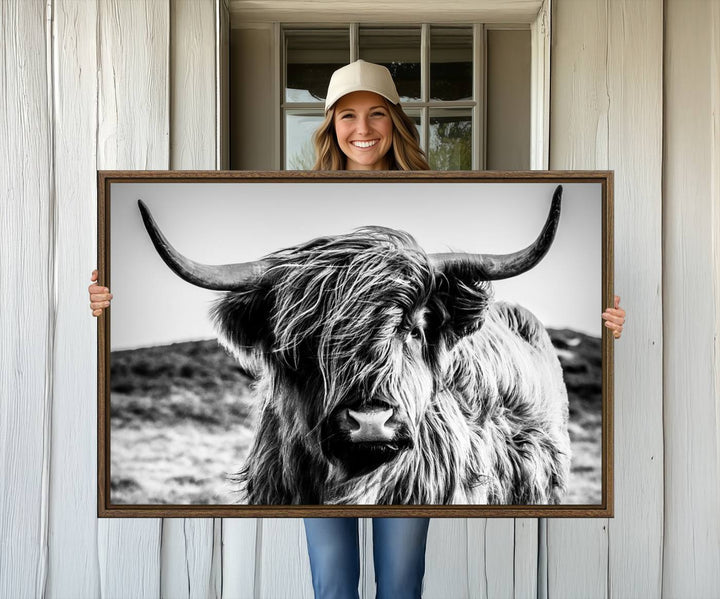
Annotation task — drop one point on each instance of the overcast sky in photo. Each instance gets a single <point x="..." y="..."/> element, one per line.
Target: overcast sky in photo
<point x="218" y="223"/>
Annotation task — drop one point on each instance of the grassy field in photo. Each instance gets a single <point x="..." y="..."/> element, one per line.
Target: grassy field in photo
<point x="182" y="419"/>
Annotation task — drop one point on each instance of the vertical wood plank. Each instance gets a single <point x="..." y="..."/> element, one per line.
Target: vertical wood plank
<point x="635" y="88"/>
<point x="133" y="131"/>
<point x="283" y="565"/>
<point x="187" y="543"/>
<point x="26" y="297"/>
<point x="447" y="559"/>
<point x="187" y="558"/>
<point x="692" y="398"/>
<point x="577" y="550"/>
<point x="193" y="89"/>
<point x="490" y="563"/>
<point x="540" y="89"/>
<point x="73" y="563"/>
<point x="222" y="61"/>
<point x="525" y="576"/>
<point x="239" y="558"/>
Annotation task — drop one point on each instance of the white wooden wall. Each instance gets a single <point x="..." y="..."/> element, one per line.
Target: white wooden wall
<point x="635" y="87"/>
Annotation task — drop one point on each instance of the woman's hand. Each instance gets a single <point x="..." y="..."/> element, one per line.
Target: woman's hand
<point x="99" y="296"/>
<point x="615" y="318"/>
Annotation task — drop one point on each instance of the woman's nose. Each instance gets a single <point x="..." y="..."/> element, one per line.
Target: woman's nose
<point x="363" y="125"/>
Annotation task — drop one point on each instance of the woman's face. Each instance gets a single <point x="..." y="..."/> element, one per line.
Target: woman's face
<point x="364" y="130"/>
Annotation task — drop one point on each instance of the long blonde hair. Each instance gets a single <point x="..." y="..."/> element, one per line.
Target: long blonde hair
<point x="405" y="153"/>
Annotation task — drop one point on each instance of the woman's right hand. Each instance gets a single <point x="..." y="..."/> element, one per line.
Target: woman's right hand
<point x="99" y="296"/>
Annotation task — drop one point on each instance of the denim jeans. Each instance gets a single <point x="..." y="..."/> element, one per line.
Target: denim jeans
<point x="398" y="552"/>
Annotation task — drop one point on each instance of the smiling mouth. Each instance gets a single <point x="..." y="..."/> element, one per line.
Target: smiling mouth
<point x="365" y="144"/>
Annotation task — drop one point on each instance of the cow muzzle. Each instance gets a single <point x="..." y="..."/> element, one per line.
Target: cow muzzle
<point x="363" y="437"/>
<point x="371" y="424"/>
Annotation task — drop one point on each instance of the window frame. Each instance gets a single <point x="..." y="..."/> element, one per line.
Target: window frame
<point x="476" y="106"/>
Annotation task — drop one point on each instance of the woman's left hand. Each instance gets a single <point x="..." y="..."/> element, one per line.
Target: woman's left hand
<point x="615" y="318"/>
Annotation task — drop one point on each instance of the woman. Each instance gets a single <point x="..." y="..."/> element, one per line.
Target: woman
<point x="365" y="129"/>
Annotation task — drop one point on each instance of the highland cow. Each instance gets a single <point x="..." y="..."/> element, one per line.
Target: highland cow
<point x="386" y="375"/>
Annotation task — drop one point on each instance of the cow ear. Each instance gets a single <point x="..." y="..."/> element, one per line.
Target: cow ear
<point x="465" y="300"/>
<point x="242" y="320"/>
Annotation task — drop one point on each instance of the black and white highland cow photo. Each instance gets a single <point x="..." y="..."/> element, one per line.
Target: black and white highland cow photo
<point x="327" y="342"/>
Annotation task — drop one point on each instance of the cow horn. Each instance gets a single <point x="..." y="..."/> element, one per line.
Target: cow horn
<point x="219" y="277"/>
<point x="492" y="267"/>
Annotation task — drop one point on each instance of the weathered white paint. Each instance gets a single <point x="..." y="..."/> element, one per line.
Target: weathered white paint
<point x="133" y="132"/>
<point x="607" y="113"/>
<point x="446" y="564"/>
<point x="691" y="275"/>
<point x="282" y="566"/>
<point x="193" y="89"/>
<point x="72" y="549"/>
<point x="577" y="551"/>
<point x="635" y="90"/>
<point x="399" y="11"/>
<point x="491" y="555"/>
<point x="187" y="544"/>
<point x="27" y="202"/>
<point x="540" y="32"/>
<point x="239" y="557"/>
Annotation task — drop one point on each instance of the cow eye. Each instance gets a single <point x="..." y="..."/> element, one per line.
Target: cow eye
<point x="416" y="333"/>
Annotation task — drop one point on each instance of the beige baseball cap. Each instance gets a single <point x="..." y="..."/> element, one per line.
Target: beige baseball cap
<point x="361" y="75"/>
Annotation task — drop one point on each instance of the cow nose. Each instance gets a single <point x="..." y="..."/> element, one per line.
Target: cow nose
<point x="370" y="425"/>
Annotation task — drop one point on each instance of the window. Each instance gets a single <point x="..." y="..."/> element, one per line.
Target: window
<point x="468" y="88"/>
<point x="436" y="71"/>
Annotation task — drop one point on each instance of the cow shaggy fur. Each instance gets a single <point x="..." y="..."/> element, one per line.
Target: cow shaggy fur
<point x="366" y="317"/>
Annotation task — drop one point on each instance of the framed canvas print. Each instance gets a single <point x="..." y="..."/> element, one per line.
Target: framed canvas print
<point x="355" y="344"/>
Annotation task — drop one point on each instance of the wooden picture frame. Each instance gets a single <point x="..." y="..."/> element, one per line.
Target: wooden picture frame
<point x="264" y="212"/>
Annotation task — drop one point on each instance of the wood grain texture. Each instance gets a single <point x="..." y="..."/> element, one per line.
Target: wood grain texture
<point x="73" y="562"/>
<point x="190" y="566"/>
<point x="691" y="400"/>
<point x="187" y="558"/>
<point x="635" y="120"/>
<point x="525" y="565"/>
<point x="540" y="32"/>
<point x="27" y="298"/>
<point x="239" y="557"/>
<point x="447" y="558"/>
<point x="193" y="114"/>
<point x="133" y="130"/>
<point x="577" y="550"/>
<point x="283" y="565"/>
<point x="491" y="556"/>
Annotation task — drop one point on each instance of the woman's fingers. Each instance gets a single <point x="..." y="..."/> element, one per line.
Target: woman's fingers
<point x="616" y="318"/>
<point x="99" y="296"/>
<point x="615" y="328"/>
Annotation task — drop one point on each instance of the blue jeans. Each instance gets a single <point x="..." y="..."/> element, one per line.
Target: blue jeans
<point x="398" y="552"/>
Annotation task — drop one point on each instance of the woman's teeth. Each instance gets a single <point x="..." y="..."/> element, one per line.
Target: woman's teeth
<point x="364" y="144"/>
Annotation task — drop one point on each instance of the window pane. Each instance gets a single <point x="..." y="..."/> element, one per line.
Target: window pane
<point x="414" y="114"/>
<point x="399" y="50"/>
<point x="451" y="58"/>
<point x="311" y="58"/>
<point x="299" y="149"/>
<point x="450" y="139"/>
